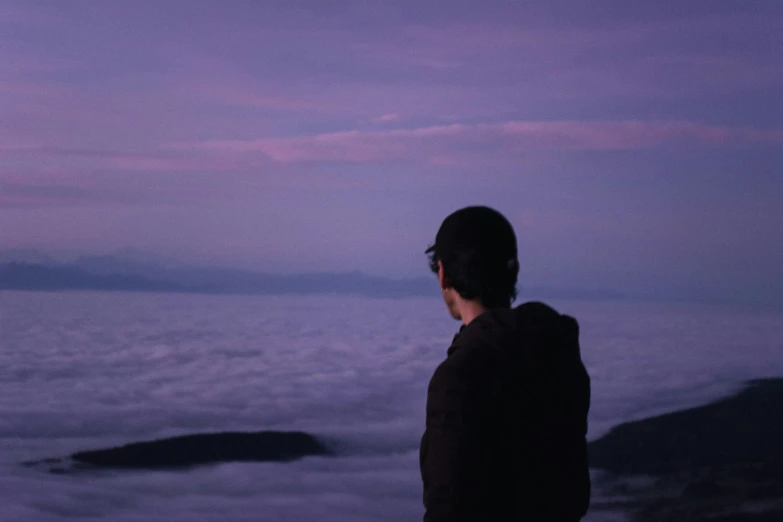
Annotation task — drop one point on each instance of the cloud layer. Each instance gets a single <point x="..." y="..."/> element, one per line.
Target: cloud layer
<point x="483" y="142"/>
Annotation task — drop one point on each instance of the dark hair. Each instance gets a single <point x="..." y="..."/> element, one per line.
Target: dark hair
<point x="478" y="249"/>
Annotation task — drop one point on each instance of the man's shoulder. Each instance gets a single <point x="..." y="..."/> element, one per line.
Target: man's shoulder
<point x="472" y="355"/>
<point x="463" y="379"/>
<point x="471" y="346"/>
<point x="542" y="315"/>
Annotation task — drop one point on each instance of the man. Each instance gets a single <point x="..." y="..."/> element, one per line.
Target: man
<point x="507" y="409"/>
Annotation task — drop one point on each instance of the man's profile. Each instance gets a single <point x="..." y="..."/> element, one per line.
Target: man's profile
<point x="507" y="409"/>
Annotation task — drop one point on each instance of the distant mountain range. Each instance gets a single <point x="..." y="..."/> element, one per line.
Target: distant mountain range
<point x="29" y="276"/>
<point x="34" y="276"/>
<point x="33" y="271"/>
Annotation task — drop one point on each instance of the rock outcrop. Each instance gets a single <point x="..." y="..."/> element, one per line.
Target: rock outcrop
<point x="722" y="461"/>
<point x="192" y="450"/>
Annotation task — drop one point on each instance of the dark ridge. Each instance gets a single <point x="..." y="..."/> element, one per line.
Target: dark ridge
<point x="777" y="516"/>
<point x="28" y="276"/>
<point x="744" y="429"/>
<point x="722" y="462"/>
<point x="35" y="277"/>
<point x="198" y="449"/>
<point x="107" y="273"/>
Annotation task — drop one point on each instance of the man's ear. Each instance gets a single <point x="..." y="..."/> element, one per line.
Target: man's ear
<point x="442" y="276"/>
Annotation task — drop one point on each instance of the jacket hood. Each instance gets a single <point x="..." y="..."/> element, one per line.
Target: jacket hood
<point x="533" y="327"/>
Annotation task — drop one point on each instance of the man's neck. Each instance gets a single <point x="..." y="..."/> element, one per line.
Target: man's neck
<point x="469" y="310"/>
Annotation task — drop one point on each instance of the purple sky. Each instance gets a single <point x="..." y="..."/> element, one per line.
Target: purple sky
<point x="634" y="145"/>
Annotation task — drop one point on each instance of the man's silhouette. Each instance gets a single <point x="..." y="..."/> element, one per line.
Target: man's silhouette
<point x="507" y="409"/>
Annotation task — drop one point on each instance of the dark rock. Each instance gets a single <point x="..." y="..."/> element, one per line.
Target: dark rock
<point x="719" y="462"/>
<point x="703" y="489"/>
<point x="198" y="449"/>
<point x="775" y="516"/>
<point x="770" y="489"/>
<point x="745" y="428"/>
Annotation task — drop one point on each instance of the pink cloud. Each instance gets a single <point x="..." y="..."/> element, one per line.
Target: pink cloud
<point x="168" y="163"/>
<point x="447" y="144"/>
<point x="392" y="116"/>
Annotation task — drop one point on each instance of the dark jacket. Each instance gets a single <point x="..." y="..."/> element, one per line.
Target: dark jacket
<point x="506" y="422"/>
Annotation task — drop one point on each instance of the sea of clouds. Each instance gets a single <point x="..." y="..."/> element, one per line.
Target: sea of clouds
<point x="87" y="370"/>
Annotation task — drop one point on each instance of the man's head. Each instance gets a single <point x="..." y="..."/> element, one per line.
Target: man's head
<point x="475" y="257"/>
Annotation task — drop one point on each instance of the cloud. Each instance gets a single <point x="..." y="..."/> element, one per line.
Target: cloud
<point x="131" y="161"/>
<point x="392" y="116"/>
<point x="476" y="142"/>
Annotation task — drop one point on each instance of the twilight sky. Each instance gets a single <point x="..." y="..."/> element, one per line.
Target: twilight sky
<point x="635" y="146"/>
